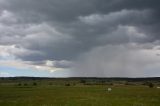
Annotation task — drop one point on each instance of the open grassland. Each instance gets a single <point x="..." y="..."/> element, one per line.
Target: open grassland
<point x="52" y="94"/>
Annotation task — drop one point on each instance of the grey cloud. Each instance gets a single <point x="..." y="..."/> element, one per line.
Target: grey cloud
<point x="68" y="11"/>
<point x="63" y="16"/>
<point x="63" y="64"/>
<point x="117" y="61"/>
<point x="64" y="30"/>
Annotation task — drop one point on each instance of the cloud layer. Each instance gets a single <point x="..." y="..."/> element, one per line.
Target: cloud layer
<point x="104" y="38"/>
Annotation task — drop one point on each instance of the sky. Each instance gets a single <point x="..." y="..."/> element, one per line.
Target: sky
<point x="80" y="38"/>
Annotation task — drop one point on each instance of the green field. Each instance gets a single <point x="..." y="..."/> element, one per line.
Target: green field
<point x="52" y="94"/>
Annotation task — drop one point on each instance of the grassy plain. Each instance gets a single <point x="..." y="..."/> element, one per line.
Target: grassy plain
<point x="56" y="93"/>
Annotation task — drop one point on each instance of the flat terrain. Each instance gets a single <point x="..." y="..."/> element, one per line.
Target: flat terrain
<point x="77" y="95"/>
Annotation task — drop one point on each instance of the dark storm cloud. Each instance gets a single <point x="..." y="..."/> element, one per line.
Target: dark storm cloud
<point x="61" y="13"/>
<point x="70" y="9"/>
<point x="86" y="23"/>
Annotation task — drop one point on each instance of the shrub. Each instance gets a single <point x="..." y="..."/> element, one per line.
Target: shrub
<point x="19" y="84"/>
<point x="111" y="83"/>
<point x="129" y="83"/>
<point x="83" y="81"/>
<point x="25" y="84"/>
<point x="151" y="85"/>
<point x="67" y="84"/>
<point x="34" y="83"/>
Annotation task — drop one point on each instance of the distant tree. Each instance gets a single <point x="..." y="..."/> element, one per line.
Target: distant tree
<point x="67" y="84"/>
<point x="19" y="84"/>
<point x="82" y="81"/>
<point x="110" y="83"/>
<point x="151" y="85"/>
<point x="127" y="83"/>
<point x="34" y="83"/>
<point x="25" y="84"/>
